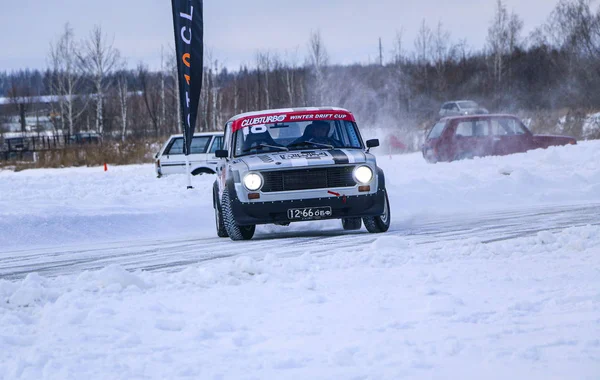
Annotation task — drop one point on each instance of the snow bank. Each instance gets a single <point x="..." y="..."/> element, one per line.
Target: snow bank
<point x="526" y="308"/>
<point x="557" y="175"/>
<point x="591" y="125"/>
<point x="63" y="206"/>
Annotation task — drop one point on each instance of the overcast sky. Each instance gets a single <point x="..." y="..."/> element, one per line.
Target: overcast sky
<point x="236" y="29"/>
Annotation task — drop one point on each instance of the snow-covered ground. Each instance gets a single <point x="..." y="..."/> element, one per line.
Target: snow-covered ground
<point x="591" y="125"/>
<point x="491" y="270"/>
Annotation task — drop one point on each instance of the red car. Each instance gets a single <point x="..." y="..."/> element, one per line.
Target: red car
<point x="460" y="137"/>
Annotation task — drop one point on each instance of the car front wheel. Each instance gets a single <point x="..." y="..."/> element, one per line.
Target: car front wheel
<point x="381" y="223"/>
<point x="221" y="230"/>
<point x="234" y="231"/>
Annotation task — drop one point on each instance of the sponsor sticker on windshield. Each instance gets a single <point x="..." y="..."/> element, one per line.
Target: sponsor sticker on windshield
<point x="256" y="120"/>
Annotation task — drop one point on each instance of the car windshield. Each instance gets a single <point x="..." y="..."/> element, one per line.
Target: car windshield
<point x="300" y="135"/>
<point x="468" y="104"/>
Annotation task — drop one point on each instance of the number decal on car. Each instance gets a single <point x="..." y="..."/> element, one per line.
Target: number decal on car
<point x="257" y="129"/>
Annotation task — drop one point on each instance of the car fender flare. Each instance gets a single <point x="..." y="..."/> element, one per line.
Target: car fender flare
<point x="381" y="179"/>
<point x="202" y="170"/>
<point x="215" y="194"/>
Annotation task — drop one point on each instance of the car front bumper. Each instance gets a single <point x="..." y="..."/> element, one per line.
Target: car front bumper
<point x="277" y="212"/>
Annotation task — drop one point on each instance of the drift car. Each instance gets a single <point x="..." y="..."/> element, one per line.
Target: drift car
<point x="460" y="137"/>
<point x="293" y="165"/>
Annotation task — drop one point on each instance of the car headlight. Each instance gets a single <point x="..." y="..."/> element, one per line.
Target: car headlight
<point x="363" y="174"/>
<point x="253" y="181"/>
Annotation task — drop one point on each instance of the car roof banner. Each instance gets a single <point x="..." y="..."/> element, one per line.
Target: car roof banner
<point x="188" y="23"/>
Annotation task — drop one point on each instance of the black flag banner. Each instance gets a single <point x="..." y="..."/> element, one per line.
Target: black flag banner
<point x="188" y="22"/>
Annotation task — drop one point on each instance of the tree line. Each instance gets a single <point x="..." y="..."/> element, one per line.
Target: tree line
<point x="555" y="67"/>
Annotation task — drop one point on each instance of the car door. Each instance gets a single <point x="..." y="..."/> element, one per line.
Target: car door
<point x="172" y="160"/>
<point x="471" y="139"/>
<point x="509" y="136"/>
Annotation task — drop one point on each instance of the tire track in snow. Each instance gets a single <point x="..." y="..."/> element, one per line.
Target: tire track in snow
<point x="173" y="255"/>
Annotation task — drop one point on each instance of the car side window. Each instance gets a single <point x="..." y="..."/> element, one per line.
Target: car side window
<point x="176" y="147"/>
<point x="217" y="144"/>
<point x="481" y="128"/>
<point x="464" y="129"/>
<point x="200" y="144"/>
<point x="506" y="127"/>
<point x="472" y="129"/>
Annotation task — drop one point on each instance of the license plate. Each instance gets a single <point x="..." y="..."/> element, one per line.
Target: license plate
<point x="309" y="213"/>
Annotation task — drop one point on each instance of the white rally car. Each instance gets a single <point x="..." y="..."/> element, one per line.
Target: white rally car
<point x="170" y="158"/>
<point x="291" y="165"/>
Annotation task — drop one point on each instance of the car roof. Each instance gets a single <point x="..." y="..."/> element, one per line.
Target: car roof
<point x="460" y="100"/>
<point x="285" y="110"/>
<point x="479" y="116"/>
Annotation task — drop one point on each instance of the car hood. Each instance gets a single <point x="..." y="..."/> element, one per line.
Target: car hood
<point x="294" y="159"/>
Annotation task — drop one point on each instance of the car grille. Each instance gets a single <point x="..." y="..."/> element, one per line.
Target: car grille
<point x="307" y="179"/>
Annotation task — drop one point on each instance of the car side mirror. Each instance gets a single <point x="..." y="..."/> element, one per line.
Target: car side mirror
<point x="374" y="143"/>
<point x="221" y="153"/>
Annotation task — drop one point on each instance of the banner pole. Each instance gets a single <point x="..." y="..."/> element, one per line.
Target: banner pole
<point x="188" y="25"/>
<point x="188" y="171"/>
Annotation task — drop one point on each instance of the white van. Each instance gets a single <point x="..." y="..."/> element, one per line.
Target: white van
<point x="170" y="158"/>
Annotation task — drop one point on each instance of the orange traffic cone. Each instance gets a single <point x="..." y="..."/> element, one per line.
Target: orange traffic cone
<point x="105" y="167"/>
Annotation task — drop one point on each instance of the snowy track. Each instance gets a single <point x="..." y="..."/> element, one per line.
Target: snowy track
<point x="490" y="270"/>
<point x="173" y="255"/>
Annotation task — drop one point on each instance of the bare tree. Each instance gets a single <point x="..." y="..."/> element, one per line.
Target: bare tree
<point x="150" y="95"/>
<point x="503" y="38"/>
<point x="398" y="51"/>
<point x="442" y="53"/>
<point x="215" y="97"/>
<point x="423" y="47"/>
<point x="290" y="67"/>
<point x="173" y="90"/>
<point x="163" y="101"/>
<point x="497" y="37"/>
<point x="99" y="59"/>
<point x="263" y="64"/>
<point x="423" y="44"/>
<point x="380" y="52"/>
<point x="68" y="76"/>
<point x="399" y="76"/>
<point x="123" y="96"/>
<point x="574" y="23"/>
<point x="318" y="60"/>
<point x="20" y="96"/>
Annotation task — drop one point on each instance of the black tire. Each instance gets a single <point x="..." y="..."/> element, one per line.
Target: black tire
<point x="202" y="171"/>
<point x="351" y="224"/>
<point x="234" y="231"/>
<point x="221" y="230"/>
<point x="381" y="223"/>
